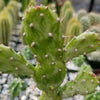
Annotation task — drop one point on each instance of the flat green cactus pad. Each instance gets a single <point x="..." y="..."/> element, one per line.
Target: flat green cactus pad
<point x="44" y="37"/>
<point x="83" y="44"/>
<point x="85" y="83"/>
<point x="11" y="62"/>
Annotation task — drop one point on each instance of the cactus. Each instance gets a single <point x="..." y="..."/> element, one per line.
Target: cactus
<point x="92" y="18"/>
<point x="44" y="37"/>
<point x="81" y="85"/>
<point x="73" y="29"/>
<point x="12" y="13"/>
<point x="6" y="1"/>
<point x="14" y="5"/>
<point x="65" y="15"/>
<point x="81" y="13"/>
<point x="2" y="4"/>
<point x="5" y="26"/>
<point x="27" y="53"/>
<point x="85" y="22"/>
<point x="93" y="96"/>
<point x="78" y="61"/>
<point x="17" y="62"/>
<point x="16" y="87"/>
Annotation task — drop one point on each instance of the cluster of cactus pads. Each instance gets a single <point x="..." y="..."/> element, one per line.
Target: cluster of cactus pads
<point x="8" y="17"/>
<point x="44" y="36"/>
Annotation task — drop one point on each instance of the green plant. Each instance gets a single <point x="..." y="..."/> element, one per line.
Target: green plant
<point x="73" y="29"/>
<point x="78" y="61"/>
<point x="5" y="26"/>
<point x="2" y="4"/>
<point x="44" y="37"/>
<point x="85" y="22"/>
<point x="6" y="1"/>
<point x="16" y="87"/>
<point x="66" y="14"/>
<point x="93" y="96"/>
<point x="81" y="13"/>
<point x="27" y="53"/>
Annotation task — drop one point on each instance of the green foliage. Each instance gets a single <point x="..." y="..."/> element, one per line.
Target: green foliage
<point x="78" y="61"/>
<point x="27" y="53"/>
<point x="93" y="96"/>
<point x="16" y="87"/>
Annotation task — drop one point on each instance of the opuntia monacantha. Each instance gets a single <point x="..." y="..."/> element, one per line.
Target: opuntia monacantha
<point x="44" y="37"/>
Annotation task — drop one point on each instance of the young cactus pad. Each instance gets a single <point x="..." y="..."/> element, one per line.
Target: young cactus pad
<point x="11" y="62"/>
<point x="44" y="37"/>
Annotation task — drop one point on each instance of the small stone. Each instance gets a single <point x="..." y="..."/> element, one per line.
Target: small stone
<point x="24" y="97"/>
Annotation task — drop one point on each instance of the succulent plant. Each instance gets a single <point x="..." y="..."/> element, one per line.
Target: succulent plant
<point x="44" y="37"/>
<point x="27" y="53"/>
<point x="14" y="5"/>
<point x="66" y="14"/>
<point x="92" y="18"/>
<point x="93" y="96"/>
<point x="2" y="4"/>
<point x="81" y="13"/>
<point x="85" y="22"/>
<point x="73" y="29"/>
<point x="16" y="87"/>
<point x="78" y="61"/>
<point x="5" y="26"/>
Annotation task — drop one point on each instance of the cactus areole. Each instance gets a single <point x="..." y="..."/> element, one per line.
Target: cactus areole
<point x="44" y="37"/>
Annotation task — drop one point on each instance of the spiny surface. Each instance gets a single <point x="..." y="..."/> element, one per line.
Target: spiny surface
<point x="85" y="83"/>
<point x="43" y="35"/>
<point x="11" y="62"/>
<point x="83" y="44"/>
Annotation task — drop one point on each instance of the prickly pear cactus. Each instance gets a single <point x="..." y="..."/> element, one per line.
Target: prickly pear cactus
<point x="81" y="85"/>
<point x="40" y="38"/>
<point x="44" y="37"/>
